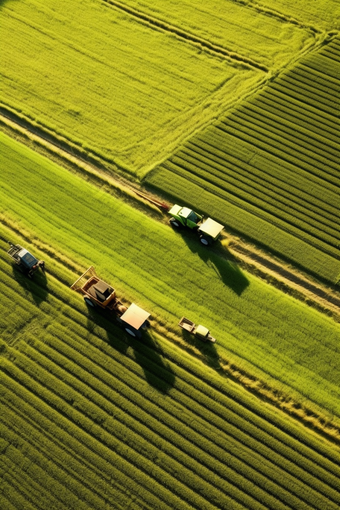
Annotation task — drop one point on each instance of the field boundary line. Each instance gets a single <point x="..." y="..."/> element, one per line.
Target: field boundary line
<point x="186" y="36"/>
<point x="318" y="294"/>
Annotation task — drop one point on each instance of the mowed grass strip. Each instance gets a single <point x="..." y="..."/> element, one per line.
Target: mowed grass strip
<point x="108" y="70"/>
<point x="288" y="132"/>
<point x="249" y="318"/>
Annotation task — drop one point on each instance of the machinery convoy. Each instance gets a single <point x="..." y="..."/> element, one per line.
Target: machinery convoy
<point x="97" y="293"/>
<point x="25" y="261"/>
<point x="209" y="230"/>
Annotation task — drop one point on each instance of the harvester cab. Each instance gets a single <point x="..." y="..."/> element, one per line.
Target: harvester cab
<point x="98" y="293"/>
<point x="25" y="261"/>
<point x="209" y="230"/>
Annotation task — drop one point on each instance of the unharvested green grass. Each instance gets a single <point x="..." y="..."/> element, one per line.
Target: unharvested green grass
<point x="270" y="169"/>
<point x="109" y="82"/>
<point x="171" y="275"/>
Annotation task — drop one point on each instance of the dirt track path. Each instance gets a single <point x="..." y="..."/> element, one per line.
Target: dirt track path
<point x="290" y="280"/>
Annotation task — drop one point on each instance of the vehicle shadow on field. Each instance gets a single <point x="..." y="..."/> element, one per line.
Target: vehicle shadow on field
<point x="36" y="286"/>
<point x="149" y="355"/>
<point x="146" y="351"/>
<point x="220" y="258"/>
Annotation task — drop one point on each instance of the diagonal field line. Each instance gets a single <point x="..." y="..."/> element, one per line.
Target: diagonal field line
<point x="186" y="36"/>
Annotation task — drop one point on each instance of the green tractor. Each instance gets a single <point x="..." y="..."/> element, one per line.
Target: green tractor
<point x="209" y="230"/>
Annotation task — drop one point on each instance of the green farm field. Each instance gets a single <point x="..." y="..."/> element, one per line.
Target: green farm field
<point x="120" y="85"/>
<point x="230" y="107"/>
<point x="92" y="418"/>
<point x="256" y="325"/>
<point x="270" y="169"/>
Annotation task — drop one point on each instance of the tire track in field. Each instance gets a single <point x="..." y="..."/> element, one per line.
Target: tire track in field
<point x="186" y="36"/>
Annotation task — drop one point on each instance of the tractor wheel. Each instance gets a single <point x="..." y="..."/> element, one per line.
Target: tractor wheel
<point x="175" y="223"/>
<point x="130" y="332"/>
<point x="204" y="241"/>
<point x="89" y="302"/>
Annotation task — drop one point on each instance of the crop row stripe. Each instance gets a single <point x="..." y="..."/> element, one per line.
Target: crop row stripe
<point x="247" y="182"/>
<point x="284" y="183"/>
<point x="136" y="386"/>
<point x="254" y="491"/>
<point x="107" y="446"/>
<point x="65" y="464"/>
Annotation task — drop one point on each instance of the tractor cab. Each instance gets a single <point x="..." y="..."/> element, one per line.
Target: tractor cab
<point x="96" y="292"/>
<point x="209" y="231"/>
<point x="25" y="261"/>
<point x="101" y="291"/>
<point x="184" y="216"/>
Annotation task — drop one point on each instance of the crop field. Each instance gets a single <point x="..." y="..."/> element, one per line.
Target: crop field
<point x="232" y="108"/>
<point x="270" y="169"/>
<point x="92" y="419"/>
<point x="256" y="325"/>
<point x="119" y="84"/>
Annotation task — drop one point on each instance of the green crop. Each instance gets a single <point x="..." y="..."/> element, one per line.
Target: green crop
<point x="252" y="321"/>
<point x="270" y="169"/>
<point x="247" y="31"/>
<point x="109" y="83"/>
<point x="83" y="413"/>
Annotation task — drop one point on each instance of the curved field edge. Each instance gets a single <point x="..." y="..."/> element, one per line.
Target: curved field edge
<point x="141" y="420"/>
<point x="269" y="169"/>
<point x="249" y="319"/>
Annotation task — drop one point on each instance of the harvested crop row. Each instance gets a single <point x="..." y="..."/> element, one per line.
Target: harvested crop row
<point x="305" y="115"/>
<point x="219" y="145"/>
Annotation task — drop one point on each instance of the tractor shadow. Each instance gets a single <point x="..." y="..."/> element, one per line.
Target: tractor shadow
<point x="146" y="352"/>
<point x="149" y="355"/>
<point x="220" y="258"/>
<point x="36" y="286"/>
<point x="208" y="349"/>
